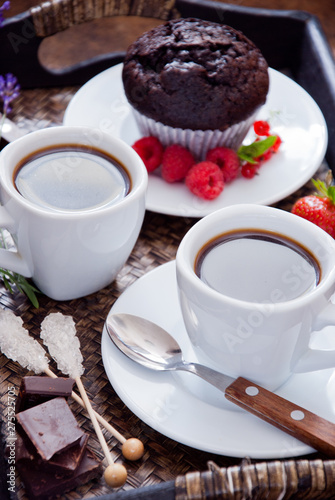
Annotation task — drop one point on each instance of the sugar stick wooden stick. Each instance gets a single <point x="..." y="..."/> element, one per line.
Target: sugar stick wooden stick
<point x="59" y="335"/>
<point x="115" y="474"/>
<point x="17" y="345"/>
<point x="132" y="448"/>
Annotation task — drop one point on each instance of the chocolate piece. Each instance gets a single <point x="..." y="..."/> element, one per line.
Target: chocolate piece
<point x="64" y="461"/>
<point x="42" y="485"/>
<point x="71" y="457"/>
<point x="51" y="427"/>
<point x="36" y="390"/>
<point x="22" y="451"/>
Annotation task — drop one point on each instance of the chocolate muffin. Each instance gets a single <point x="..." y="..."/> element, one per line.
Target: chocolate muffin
<point x="195" y="75"/>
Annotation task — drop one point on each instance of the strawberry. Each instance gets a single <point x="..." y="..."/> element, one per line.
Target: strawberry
<point x="319" y="209"/>
<point x="227" y="160"/>
<point x="176" y="162"/>
<point x="205" y="179"/>
<point x="150" y="150"/>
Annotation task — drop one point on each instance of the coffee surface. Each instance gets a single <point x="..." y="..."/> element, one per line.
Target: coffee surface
<point x="71" y="178"/>
<point x="257" y="266"/>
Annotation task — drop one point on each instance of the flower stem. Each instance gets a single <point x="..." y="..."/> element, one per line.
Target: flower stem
<point x="2" y="124"/>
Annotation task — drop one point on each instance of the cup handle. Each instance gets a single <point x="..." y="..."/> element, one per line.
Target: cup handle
<point x="10" y="260"/>
<point x="319" y="359"/>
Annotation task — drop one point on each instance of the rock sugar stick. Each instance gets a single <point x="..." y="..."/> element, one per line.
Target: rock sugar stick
<point x="58" y="333"/>
<point x="17" y="345"/>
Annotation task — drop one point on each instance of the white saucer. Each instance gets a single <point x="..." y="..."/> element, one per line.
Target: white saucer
<point x="295" y="117"/>
<point x="186" y="409"/>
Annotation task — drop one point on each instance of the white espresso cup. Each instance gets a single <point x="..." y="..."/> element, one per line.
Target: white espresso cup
<point x="73" y="199"/>
<point x="255" y="286"/>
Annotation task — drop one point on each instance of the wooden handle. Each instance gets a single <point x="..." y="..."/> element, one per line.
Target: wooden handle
<point x="289" y="417"/>
<point x="58" y="15"/>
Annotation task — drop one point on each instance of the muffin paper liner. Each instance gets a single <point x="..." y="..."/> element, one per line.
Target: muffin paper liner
<point x="197" y="141"/>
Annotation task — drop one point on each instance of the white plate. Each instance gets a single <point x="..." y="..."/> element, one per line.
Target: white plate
<point x="101" y="103"/>
<point x="188" y="410"/>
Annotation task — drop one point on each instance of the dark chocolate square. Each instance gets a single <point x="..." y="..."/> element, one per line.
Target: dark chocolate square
<point x="51" y="427"/>
<point x="42" y="485"/>
<point x="35" y="390"/>
<point x="64" y="461"/>
<point x="69" y="459"/>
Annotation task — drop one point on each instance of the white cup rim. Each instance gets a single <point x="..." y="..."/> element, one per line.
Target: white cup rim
<point x="63" y="134"/>
<point x="189" y="246"/>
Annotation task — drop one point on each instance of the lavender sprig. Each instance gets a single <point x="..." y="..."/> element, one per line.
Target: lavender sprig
<point x="9" y="90"/>
<point x="4" y="6"/>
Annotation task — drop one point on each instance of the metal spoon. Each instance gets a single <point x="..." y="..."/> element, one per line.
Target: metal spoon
<point x="151" y="346"/>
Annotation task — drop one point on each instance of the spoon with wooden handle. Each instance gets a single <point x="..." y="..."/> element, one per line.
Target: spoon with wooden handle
<point x="151" y="346"/>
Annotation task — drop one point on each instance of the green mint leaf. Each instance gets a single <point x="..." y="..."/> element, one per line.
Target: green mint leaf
<point x="245" y="157"/>
<point x="256" y="149"/>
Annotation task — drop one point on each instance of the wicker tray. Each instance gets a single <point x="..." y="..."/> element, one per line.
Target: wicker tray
<point x="291" y="41"/>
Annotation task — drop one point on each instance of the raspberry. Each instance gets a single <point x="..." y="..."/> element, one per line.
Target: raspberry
<point x="261" y="127"/>
<point x="227" y="160"/>
<point x="205" y="179"/>
<point x="150" y="150"/>
<point x="176" y="162"/>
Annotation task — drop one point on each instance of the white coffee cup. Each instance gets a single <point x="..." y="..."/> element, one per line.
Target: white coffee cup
<point x="262" y="330"/>
<point x="75" y="251"/>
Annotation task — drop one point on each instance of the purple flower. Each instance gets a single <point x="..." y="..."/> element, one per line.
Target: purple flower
<point x="4" y="6"/>
<point x="9" y="90"/>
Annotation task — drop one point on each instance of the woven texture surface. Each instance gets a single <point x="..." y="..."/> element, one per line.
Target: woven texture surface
<point x="275" y="480"/>
<point x="57" y="15"/>
<point x="164" y="459"/>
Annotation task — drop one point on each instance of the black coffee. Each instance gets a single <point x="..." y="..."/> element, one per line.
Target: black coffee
<point x="71" y="177"/>
<point x="257" y="266"/>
